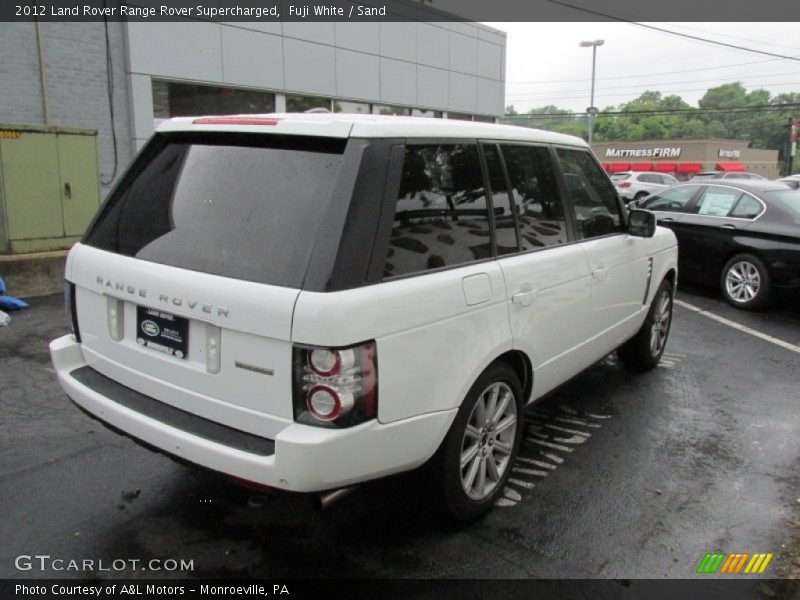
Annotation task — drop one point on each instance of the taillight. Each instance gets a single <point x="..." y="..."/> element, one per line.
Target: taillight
<point x="71" y="309"/>
<point x="335" y="387"/>
<point x="624" y="184"/>
<point x="236" y="121"/>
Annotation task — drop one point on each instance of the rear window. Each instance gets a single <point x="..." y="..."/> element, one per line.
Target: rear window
<point x="789" y="200"/>
<point x="241" y="206"/>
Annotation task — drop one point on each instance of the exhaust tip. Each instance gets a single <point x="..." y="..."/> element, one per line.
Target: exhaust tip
<point x="328" y="499"/>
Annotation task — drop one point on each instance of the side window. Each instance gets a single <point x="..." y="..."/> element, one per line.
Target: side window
<point x="441" y="218"/>
<point x="650" y="178"/>
<point x="595" y="201"/>
<point x="717" y="201"/>
<point x="505" y="228"/>
<point x="542" y="220"/>
<point x="746" y="208"/>
<point x="673" y="200"/>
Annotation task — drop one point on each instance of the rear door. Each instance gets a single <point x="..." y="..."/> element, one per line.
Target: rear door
<point x="705" y="234"/>
<point x="547" y="277"/>
<point x="187" y="281"/>
<point x="651" y="182"/>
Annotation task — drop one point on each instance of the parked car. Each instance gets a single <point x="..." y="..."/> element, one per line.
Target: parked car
<point x="311" y="301"/>
<point x="728" y="175"/>
<point x="793" y="181"/>
<point x="635" y="185"/>
<point x="742" y="235"/>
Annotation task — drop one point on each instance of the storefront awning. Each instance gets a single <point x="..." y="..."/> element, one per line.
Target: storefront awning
<point x="730" y="166"/>
<point x="642" y="167"/>
<point x="688" y="167"/>
<point x="664" y="167"/>
<point x="617" y="167"/>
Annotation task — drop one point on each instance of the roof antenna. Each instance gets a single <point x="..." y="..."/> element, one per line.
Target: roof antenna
<point x="319" y="109"/>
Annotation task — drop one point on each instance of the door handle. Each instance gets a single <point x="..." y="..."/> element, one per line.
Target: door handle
<point x="68" y="190"/>
<point x="666" y="220"/>
<point x="727" y="226"/>
<point x="524" y="297"/>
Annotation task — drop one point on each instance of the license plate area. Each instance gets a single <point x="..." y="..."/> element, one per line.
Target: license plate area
<point x="162" y="332"/>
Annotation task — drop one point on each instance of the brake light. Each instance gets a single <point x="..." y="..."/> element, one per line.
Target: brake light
<point x="335" y="387"/>
<point x="624" y="184"/>
<point x="236" y="121"/>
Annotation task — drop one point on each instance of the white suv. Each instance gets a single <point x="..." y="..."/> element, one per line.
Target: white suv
<point x="636" y="185"/>
<point x="311" y="301"/>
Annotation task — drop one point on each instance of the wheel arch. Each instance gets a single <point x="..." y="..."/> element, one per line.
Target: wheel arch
<point x="739" y="250"/>
<point x="672" y="276"/>
<point x="521" y="363"/>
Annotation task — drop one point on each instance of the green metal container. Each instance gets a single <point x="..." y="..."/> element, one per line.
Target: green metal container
<point x="49" y="188"/>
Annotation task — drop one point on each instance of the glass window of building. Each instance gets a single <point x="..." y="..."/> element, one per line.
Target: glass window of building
<point x="459" y="116"/>
<point x="173" y="99"/>
<point x="483" y="119"/>
<point x="421" y="112"/>
<point x="345" y="106"/>
<point x="303" y="103"/>
<point x="385" y="109"/>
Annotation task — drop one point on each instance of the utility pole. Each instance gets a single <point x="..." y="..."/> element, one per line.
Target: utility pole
<point x="592" y="110"/>
<point x="793" y="123"/>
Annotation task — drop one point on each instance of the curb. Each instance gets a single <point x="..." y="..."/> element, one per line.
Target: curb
<point x="38" y="274"/>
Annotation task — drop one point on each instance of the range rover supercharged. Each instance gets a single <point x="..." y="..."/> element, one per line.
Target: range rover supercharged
<point x="311" y="301"/>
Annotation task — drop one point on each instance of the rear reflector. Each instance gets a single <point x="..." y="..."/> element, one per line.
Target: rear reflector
<point x="235" y="121"/>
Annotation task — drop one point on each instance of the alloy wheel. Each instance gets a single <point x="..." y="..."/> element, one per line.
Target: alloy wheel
<point x="742" y="281"/>
<point x="488" y="441"/>
<point x="661" y="320"/>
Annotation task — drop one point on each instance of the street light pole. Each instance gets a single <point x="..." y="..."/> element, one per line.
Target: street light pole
<point x="592" y="110"/>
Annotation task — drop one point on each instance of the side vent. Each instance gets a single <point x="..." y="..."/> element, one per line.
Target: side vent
<point x="649" y="280"/>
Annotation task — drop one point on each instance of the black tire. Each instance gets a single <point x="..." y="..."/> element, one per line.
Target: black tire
<point x="754" y="283"/>
<point x="644" y="350"/>
<point x="446" y="470"/>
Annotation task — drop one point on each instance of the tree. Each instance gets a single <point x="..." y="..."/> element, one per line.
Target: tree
<point x="654" y="116"/>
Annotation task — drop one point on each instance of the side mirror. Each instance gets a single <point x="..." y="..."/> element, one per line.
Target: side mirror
<point x="641" y="223"/>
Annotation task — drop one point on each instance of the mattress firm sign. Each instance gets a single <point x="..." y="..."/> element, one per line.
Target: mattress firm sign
<point x="649" y="153"/>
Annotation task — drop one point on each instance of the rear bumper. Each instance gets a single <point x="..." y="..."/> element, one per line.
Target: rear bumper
<point x="301" y="458"/>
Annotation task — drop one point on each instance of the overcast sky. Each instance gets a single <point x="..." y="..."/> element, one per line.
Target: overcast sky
<point x="545" y="65"/>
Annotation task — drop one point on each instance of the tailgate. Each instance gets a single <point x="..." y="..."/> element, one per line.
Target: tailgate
<point x="137" y="317"/>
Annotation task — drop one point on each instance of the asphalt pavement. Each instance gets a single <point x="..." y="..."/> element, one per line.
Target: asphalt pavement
<point x="620" y="475"/>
